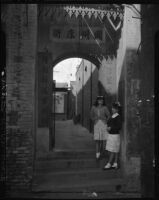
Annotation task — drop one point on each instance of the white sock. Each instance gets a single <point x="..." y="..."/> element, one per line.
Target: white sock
<point x="97" y="155"/>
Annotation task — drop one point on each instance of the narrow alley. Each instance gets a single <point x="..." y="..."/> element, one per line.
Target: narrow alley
<point x="56" y="60"/>
<point x="69" y="136"/>
<point x="71" y="170"/>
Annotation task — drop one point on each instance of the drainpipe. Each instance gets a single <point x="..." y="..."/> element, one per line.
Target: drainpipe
<point x="91" y="86"/>
<point x="90" y="125"/>
<point x="83" y="94"/>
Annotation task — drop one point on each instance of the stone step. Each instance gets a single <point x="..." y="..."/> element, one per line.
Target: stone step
<point x="57" y="181"/>
<point x="85" y="173"/>
<point x="85" y="194"/>
<point x="68" y="164"/>
<point x="111" y="185"/>
<point x="59" y="154"/>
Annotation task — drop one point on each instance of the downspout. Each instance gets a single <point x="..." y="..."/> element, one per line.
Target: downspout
<point x="83" y="94"/>
<point x="90" y="125"/>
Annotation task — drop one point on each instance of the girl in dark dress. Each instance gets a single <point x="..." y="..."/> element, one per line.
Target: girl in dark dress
<point x="113" y="141"/>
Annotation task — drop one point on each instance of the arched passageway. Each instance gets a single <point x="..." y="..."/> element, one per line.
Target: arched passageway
<point x="38" y="35"/>
<point x="69" y="140"/>
<point x="74" y="92"/>
<point x="61" y="36"/>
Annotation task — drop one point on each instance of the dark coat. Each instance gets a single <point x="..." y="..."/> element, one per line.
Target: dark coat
<point x="115" y="124"/>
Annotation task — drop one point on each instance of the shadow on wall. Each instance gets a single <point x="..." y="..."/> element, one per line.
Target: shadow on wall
<point x="86" y="98"/>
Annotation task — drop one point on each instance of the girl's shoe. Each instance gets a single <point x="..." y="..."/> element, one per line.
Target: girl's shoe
<point x="115" y="166"/>
<point x="107" y="166"/>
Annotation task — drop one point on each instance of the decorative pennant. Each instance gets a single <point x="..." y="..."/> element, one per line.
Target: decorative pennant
<point x="102" y="14"/>
<point x="89" y="15"/>
<point x="93" y="12"/>
<point x="115" y="15"/>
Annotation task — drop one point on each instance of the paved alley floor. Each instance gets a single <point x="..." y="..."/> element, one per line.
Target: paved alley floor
<point x="70" y="170"/>
<point x="70" y="136"/>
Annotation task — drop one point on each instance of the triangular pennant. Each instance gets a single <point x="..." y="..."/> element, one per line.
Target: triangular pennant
<point x="76" y="13"/>
<point x="121" y="16"/>
<point x="102" y="14"/>
<point x="83" y="14"/>
<point x="80" y="9"/>
<point x="89" y="14"/>
<point x="114" y="15"/>
<point x="70" y="13"/>
<point x="108" y="14"/>
<point x="95" y="15"/>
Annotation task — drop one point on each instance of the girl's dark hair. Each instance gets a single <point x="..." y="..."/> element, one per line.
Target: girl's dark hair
<point x="99" y="98"/>
<point x="117" y="106"/>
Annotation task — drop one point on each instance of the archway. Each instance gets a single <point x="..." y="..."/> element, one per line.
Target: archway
<point x="61" y="37"/>
<point x="55" y="46"/>
<point x="72" y="100"/>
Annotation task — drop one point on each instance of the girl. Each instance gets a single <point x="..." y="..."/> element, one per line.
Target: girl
<point x="99" y="115"/>
<point x="113" y="140"/>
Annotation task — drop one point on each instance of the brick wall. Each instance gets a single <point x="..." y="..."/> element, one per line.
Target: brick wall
<point x="3" y="110"/>
<point x="21" y="32"/>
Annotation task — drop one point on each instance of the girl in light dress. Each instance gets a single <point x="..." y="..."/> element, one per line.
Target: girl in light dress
<point x="99" y="115"/>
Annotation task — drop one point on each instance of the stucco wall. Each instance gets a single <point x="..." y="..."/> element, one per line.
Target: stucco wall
<point x="128" y="84"/>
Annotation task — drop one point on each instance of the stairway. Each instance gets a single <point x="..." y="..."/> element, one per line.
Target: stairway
<point x="65" y="171"/>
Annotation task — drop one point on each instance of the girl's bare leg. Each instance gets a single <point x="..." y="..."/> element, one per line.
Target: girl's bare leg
<point x="97" y="148"/>
<point x="116" y="158"/>
<point x="111" y="156"/>
<point x="101" y="146"/>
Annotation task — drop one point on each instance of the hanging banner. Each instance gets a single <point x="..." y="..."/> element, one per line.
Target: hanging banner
<point x="93" y="12"/>
<point x="72" y="10"/>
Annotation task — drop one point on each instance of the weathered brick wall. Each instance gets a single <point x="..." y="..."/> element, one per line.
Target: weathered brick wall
<point x="3" y="111"/>
<point x="21" y="32"/>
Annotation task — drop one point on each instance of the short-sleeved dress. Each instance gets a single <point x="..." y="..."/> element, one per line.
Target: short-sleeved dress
<point x="100" y="117"/>
<point x="113" y="140"/>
